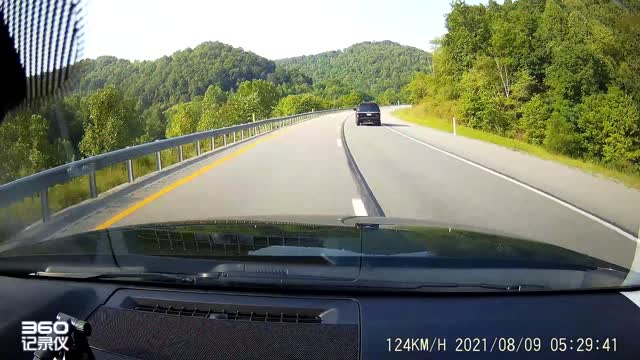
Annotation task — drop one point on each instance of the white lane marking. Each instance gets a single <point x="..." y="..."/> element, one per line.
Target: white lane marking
<point x="633" y="296"/>
<point x="635" y="265"/>
<point x="358" y="207"/>
<point x="550" y="197"/>
<point x="339" y="142"/>
<point x="514" y="181"/>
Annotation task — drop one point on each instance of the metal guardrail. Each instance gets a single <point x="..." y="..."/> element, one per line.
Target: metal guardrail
<point x="41" y="182"/>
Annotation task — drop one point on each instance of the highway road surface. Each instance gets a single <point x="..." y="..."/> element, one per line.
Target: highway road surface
<point x="330" y="166"/>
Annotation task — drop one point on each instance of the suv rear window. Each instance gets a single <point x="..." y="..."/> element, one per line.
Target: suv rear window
<point x="368" y="107"/>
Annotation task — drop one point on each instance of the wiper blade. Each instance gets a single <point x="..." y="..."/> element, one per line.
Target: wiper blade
<point x="240" y="278"/>
<point x="418" y="286"/>
<point x="231" y="277"/>
<point x="151" y="277"/>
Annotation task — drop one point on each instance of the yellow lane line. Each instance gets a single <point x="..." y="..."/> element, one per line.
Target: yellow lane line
<point x="142" y="203"/>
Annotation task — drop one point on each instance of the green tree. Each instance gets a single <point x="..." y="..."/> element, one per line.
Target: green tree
<point x="469" y="33"/>
<point x="575" y="72"/>
<point x="482" y="101"/>
<point x="155" y="124"/>
<point x="388" y="97"/>
<point x="352" y="99"/>
<point x="256" y="96"/>
<point x="610" y="128"/>
<point x="108" y="126"/>
<point x="419" y="87"/>
<point x="297" y="104"/>
<point x="561" y="134"/>
<point x="26" y="148"/>
<point x="533" y="124"/>
<point x="183" y="119"/>
<point x="214" y="96"/>
<point x="213" y="100"/>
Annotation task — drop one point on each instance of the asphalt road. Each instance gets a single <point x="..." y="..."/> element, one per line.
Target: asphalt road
<point x="303" y="170"/>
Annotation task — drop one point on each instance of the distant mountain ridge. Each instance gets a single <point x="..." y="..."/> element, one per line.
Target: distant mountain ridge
<point x="369" y="67"/>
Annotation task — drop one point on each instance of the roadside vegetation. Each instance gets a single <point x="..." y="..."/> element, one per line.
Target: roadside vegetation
<point x="557" y="79"/>
<point x="421" y="116"/>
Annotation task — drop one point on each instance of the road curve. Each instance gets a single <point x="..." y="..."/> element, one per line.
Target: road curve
<point x="412" y="180"/>
<point x="303" y="170"/>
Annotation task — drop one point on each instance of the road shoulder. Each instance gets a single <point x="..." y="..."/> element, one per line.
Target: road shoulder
<point x="607" y="199"/>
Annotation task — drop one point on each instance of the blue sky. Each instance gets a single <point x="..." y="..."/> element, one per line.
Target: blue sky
<point x="148" y="29"/>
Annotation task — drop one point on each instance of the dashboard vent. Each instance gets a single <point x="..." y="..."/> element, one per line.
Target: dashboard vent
<point x="231" y="315"/>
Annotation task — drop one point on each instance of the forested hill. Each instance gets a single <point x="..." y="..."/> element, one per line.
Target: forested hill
<point x="176" y="78"/>
<point x="368" y="67"/>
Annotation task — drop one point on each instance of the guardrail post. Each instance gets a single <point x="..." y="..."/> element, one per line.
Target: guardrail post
<point x="93" y="189"/>
<point x="44" y="204"/>
<point x="213" y="143"/>
<point x="198" y="152"/>
<point x="130" y="177"/>
<point x="158" y="161"/>
<point x="224" y="139"/>
<point x="234" y="137"/>
<point x="180" y="155"/>
<point x="242" y="134"/>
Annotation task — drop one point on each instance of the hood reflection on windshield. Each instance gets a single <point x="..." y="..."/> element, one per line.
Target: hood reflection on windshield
<point x="401" y="252"/>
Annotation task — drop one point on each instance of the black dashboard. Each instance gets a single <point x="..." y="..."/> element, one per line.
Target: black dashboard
<point x="175" y="323"/>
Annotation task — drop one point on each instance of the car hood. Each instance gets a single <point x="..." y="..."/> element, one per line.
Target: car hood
<point x="313" y="235"/>
<point x="352" y="250"/>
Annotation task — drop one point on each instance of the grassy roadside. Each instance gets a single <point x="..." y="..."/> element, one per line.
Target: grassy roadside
<point x="418" y="115"/>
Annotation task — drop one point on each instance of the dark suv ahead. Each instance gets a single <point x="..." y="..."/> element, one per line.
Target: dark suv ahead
<point x="368" y="112"/>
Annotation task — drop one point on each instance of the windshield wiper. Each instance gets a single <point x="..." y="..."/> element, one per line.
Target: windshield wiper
<point x="248" y="278"/>
<point x="224" y="278"/>
<point x="429" y="287"/>
<point x="133" y="276"/>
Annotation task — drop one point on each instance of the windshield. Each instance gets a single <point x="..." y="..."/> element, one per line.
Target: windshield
<point x="401" y="256"/>
<point x="495" y="144"/>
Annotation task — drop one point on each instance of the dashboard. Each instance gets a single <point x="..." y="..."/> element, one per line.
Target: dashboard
<point x="146" y="322"/>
